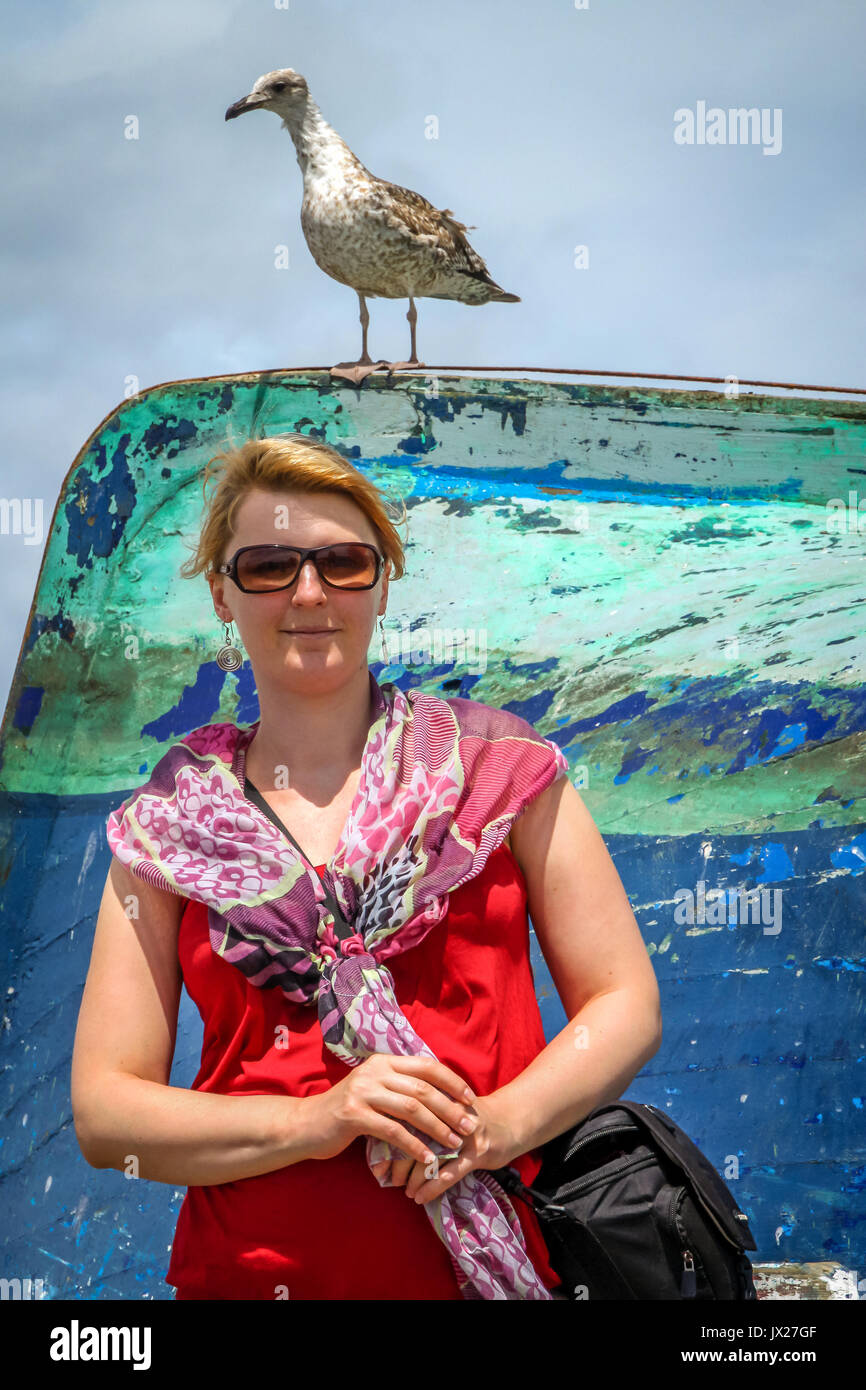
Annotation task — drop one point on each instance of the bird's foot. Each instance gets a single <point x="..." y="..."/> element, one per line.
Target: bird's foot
<point x="357" y="371"/>
<point x="402" y="366"/>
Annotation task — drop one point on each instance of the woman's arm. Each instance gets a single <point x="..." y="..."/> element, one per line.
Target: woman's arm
<point x="126" y="1114"/>
<point x="602" y="973"/>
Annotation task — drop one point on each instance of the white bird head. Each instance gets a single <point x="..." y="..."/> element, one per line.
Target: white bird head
<point x="284" y="91"/>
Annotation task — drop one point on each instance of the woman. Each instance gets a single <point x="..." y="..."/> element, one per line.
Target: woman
<point x="343" y="887"/>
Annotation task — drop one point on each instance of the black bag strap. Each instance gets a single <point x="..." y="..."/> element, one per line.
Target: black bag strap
<point x="342" y="927"/>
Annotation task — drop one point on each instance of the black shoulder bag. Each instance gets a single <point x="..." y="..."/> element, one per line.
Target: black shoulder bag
<point x="631" y="1209"/>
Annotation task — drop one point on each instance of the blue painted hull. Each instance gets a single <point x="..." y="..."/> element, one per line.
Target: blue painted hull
<point x="747" y="774"/>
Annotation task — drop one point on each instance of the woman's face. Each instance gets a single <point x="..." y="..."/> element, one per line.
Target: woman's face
<point x="276" y="629"/>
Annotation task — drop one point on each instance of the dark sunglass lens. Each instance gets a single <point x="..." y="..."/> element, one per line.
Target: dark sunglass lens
<point x="267" y="568"/>
<point x="348" y="566"/>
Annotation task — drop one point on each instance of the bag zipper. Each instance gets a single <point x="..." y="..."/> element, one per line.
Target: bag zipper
<point x="599" y="1133"/>
<point x="695" y="1190"/>
<point x="688" y="1279"/>
<point x="572" y="1188"/>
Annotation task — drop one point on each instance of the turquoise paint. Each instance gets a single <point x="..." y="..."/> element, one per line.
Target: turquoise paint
<point x="592" y="555"/>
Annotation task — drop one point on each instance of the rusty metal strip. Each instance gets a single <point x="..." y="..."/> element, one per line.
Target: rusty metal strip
<point x="647" y="376"/>
<point x="551" y="371"/>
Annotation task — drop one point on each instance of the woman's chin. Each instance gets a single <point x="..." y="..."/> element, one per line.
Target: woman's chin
<point x="324" y="669"/>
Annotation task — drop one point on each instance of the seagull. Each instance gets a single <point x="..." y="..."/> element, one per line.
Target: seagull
<point x="382" y="240"/>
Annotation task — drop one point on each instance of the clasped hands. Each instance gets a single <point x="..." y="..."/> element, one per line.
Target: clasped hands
<point x="488" y="1143"/>
<point x="423" y="1093"/>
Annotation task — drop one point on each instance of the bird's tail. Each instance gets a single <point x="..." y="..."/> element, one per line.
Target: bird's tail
<point x="496" y="293"/>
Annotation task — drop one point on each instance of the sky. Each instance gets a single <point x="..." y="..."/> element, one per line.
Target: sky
<point x="556" y="128"/>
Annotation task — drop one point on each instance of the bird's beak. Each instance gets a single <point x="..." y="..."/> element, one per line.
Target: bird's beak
<point x="247" y="103"/>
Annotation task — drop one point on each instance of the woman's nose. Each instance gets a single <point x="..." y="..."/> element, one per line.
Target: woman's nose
<point x="309" y="583"/>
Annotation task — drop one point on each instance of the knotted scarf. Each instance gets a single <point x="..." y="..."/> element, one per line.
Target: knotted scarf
<point x="441" y="782"/>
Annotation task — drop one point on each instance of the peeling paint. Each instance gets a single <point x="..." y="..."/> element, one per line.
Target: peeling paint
<point x="659" y="595"/>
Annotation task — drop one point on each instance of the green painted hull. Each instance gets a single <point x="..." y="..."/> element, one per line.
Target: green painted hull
<point x="659" y="580"/>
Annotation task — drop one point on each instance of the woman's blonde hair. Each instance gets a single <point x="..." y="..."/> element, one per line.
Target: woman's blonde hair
<point x="286" y="462"/>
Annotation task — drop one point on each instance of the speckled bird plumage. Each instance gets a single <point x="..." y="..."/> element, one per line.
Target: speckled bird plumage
<point x="382" y="240"/>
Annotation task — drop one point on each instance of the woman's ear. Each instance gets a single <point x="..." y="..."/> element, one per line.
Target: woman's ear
<point x="217" y="590"/>
<point x="383" y="603"/>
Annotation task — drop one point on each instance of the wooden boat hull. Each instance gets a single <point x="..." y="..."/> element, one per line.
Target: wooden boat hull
<point x="654" y="579"/>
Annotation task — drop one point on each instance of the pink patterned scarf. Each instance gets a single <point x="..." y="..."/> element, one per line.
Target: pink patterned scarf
<point x="441" y="783"/>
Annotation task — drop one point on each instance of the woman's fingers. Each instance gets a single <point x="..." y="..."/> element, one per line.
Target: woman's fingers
<point x="381" y="1127"/>
<point x="429" y="1069"/>
<point x="459" y="1117"/>
<point x="396" y="1170"/>
<point x="414" y="1178"/>
<point x="400" y="1170"/>
<point x="414" y="1112"/>
<point x="423" y="1188"/>
<point x="418" y="1091"/>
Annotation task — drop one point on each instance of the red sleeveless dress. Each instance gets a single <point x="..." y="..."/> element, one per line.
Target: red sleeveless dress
<point x="324" y="1228"/>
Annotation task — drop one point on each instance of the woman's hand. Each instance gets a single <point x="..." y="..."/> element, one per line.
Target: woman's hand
<point x="385" y="1089"/>
<point x="493" y="1143"/>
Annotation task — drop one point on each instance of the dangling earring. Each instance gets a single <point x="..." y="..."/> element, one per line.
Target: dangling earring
<point x="228" y="657"/>
<point x="385" y="657"/>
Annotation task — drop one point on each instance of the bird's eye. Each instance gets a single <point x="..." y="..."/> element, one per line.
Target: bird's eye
<point x="278" y="86"/>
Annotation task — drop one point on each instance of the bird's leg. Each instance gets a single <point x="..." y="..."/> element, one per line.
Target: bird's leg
<point x="356" y="371"/>
<point x="365" y="323"/>
<point x="412" y="316"/>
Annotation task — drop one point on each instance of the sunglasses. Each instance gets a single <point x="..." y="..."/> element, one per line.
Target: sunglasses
<point x="262" y="569"/>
